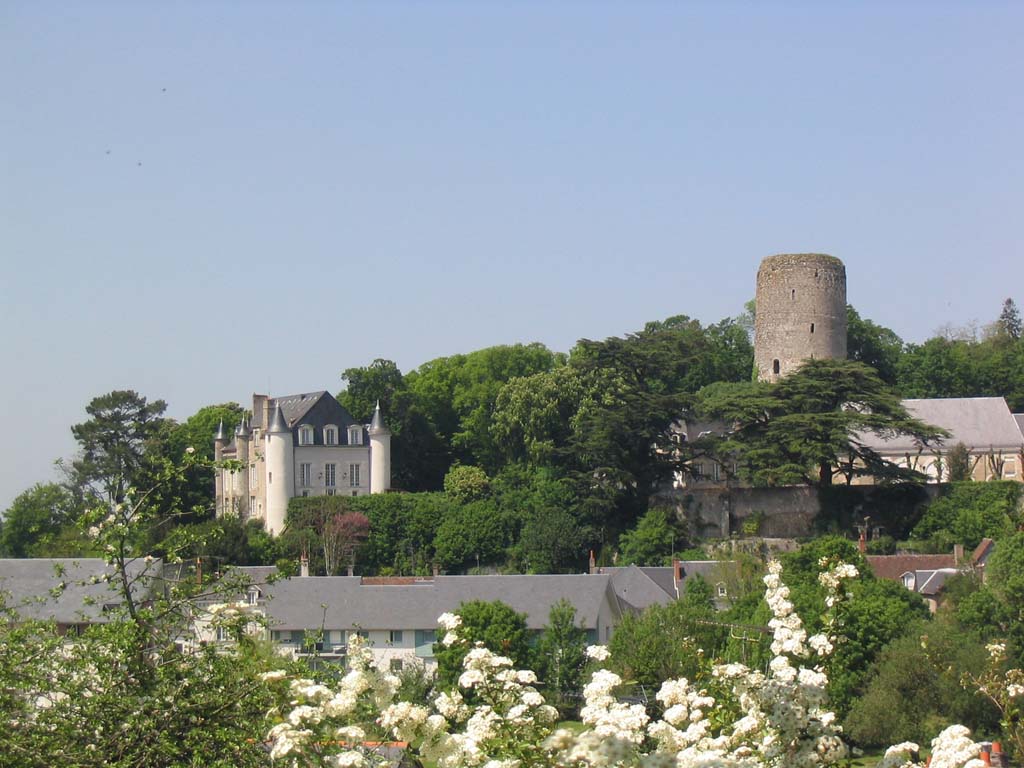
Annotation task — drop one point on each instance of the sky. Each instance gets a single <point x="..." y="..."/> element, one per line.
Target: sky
<point x="202" y="200"/>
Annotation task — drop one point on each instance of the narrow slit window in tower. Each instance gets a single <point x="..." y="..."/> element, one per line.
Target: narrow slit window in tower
<point x="792" y="293"/>
<point x="812" y="327"/>
<point x="775" y="367"/>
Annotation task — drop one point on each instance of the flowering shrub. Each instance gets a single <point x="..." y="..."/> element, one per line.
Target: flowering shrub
<point x="496" y="718"/>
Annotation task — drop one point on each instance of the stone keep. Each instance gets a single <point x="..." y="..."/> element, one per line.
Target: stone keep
<point x="800" y="312"/>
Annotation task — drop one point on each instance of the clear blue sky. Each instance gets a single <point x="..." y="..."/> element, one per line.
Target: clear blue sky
<point x="200" y="200"/>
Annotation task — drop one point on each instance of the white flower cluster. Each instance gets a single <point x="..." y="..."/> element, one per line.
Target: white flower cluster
<point x="324" y="716"/>
<point x="497" y="718"/>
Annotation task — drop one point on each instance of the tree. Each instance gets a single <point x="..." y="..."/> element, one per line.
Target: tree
<point x="328" y="524"/>
<point x="872" y="345"/>
<point x="959" y="461"/>
<point x="34" y="520"/>
<point x="1009" y="320"/>
<point x="470" y="535"/>
<point x="494" y="624"/>
<point x="464" y="484"/>
<point x="561" y="657"/>
<point x="969" y="512"/>
<point x="379" y="382"/>
<point x="342" y="535"/>
<point x="114" y="442"/>
<point x="653" y="540"/>
<point x="804" y="428"/>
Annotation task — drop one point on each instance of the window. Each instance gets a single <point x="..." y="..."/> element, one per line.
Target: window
<point x="305" y="435"/>
<point x="330" y="435"/>
<point x="396" y="665"/>
<point x="252" y="504"/>
<point x="252" y="474"/>
<point x="305" y="493"/>
<point x="331" y="491"/>
<point x="355" y="493"/>
<point x="222" y="634"/>
<point x="252" y="596"/>
<point x="353" y="475"/>
<point x="722" y="590"/>
<point x="792" y="294"/>
<point x="355" y="435"/>
<point x="716" y="471"/>
<point x="812" y="327"/>
<point x="305" y="474"/>
<point x="775" y="367"/>
<point x="330" y="476"/>
<point x="395" y="636"/>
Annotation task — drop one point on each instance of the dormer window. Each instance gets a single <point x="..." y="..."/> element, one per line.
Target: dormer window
<point x="330" y="435"/>
<point x="355" y="435"/>
<point x="305" y="435"/>
<point x="722" y="590"/>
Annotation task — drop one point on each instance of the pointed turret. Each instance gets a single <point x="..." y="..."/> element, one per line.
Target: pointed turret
<point x="278" y="423"/>
<point x="377" y="425"/>
<point x="243" y="429"/>
<point x="380" y="453"/>
<point x="222" y="434"/>
<point x="280" y="466"/>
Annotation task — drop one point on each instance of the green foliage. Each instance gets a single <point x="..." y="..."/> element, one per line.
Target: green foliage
<point x="471" y="535"/>
<point x="561" y="658"/>
<point x="379" y="382"/>
<point x="969" y="512"/>
<point x="495" y="625"/>
<point x="896" y="508"/>
<point x="914" y="689"/>
<point x="34" y="521"/>
<point x="958" y="461"/>
<point x="662" y="642"/>
<point x="113" y="442"/>
<point x="872" y="345"/>
<point x="801" y="429"/>
<point x="653" y="540"/>
<point x="464" y="484"/>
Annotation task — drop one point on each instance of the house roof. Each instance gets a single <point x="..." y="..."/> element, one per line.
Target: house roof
<point x="294" y="407"/>
<point x="1019" y="418"/>
<point x="59" y="589"/>
<point x="894" y="566"/>
<point x="980" y="423"/>
<point x="344" y="602"/>
<point x="931" y="582"/>
<point x="636" y="588"/>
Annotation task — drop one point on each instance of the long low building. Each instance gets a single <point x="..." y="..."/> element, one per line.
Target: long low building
<point x="398" y="615"/>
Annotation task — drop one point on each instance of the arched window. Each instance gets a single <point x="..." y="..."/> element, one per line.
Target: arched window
<point x="305" y="435"/>
<point x="330" y="435"/>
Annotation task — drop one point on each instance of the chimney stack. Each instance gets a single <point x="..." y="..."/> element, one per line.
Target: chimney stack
<point x="862" y="542"/>
<point x="958" y="554"/>
<point x="304" y="565"/>
<point x="593" y="562"/>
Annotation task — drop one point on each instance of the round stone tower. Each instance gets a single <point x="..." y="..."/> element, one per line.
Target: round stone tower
<point x="800" y="312"/>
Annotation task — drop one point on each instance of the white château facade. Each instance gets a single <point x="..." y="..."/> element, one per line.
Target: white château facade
<point x="299" y="445"/>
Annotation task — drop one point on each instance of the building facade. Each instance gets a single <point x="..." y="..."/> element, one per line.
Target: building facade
<point x="298" y="445"/>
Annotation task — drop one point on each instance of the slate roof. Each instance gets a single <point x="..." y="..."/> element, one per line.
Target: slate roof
<point x="27" y="584"/>
<point x="931" y="582"/>
<point x="1019" y="418"/>
<point x="635" y="588"/>
<point x="894" y="566"/>
<point x="294" y="407"/>
<point x="980" y="423"/>
<point x="343" y="602"/>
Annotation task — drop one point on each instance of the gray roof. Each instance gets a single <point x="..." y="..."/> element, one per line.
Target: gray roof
<point x="294" y="407"/>
<point x="28" y="586"/>
<point x="377" y="425"/>
<point x="344" y="602"/>
<point x="635" y="588"/>
<point x="1019" y="418"/>
<point x="222" y="433"/>
<point x="980" y="423"/>
<point x="931" y="582"/>
<point x="278" y="421"/>
<point x="243" y="429"/>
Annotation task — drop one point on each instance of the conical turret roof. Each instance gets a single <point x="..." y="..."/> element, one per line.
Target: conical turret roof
<point x="222" y="433"/>
<point x="377" y="425"/>
<point x="278" y="423"/>
<point x="243" y="429"/>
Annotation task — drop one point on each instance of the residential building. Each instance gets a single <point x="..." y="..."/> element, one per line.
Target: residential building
<point x="298" y="445"/>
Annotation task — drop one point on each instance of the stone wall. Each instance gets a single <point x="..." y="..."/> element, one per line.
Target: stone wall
<point x="800" y="312"/>
<point x="796" y="512"/>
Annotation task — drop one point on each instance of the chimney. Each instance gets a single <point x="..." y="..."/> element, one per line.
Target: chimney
<point x="304" y="565"/>
<point x="862" y="542"/>
<point x="435" y="569"/>
<point x="958" y="554"/>
<point x="593" y="562"/>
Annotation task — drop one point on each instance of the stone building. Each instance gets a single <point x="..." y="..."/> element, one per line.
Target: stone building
<point x="800" y="312"/>
<point x="299" y="445"/>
